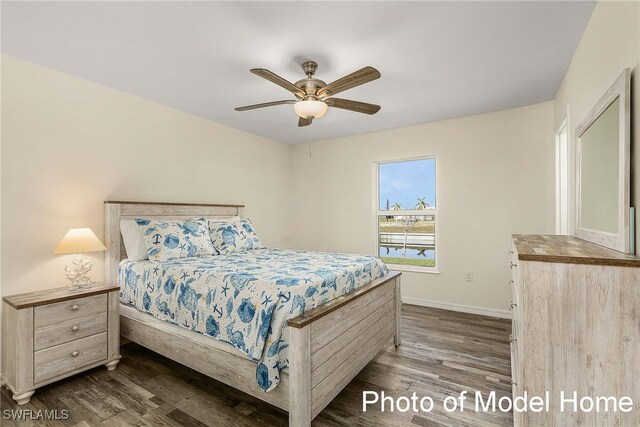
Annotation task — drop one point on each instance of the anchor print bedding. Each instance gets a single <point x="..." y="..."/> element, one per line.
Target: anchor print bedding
<point x="245" y="298"/>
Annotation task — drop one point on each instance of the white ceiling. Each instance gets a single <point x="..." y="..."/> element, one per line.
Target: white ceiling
<point x="438" y="59"/>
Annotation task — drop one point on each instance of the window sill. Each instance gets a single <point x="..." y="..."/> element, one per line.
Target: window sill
<point x="413" y="269"/>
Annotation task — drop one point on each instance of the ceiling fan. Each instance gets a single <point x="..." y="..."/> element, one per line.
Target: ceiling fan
<point x="314" y="97"/>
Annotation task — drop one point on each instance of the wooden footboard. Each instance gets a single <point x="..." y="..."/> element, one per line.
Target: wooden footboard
<point x="329" y="345"/>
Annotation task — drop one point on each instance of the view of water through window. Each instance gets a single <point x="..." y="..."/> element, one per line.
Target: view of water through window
<point x="407" y="212"/>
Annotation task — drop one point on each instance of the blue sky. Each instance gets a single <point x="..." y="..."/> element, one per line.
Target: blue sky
<point x="404" y="182"/>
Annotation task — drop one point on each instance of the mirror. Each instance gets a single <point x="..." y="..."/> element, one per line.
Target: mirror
<point x="602" y="169"/>
<point x="599" y="172"/>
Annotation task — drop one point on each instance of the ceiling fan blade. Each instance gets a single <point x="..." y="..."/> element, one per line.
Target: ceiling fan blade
<point x="274" y="78"/>
<point x="346" y="104"/>
<point x="265" y="104"/>
<point x="304" y="122"/>
<point x="349" y="81"/>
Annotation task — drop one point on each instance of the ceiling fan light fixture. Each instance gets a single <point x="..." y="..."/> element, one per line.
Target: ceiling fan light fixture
<point x="310" y="109"/>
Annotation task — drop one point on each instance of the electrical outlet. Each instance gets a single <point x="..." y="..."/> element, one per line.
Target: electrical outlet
<point x="469" y="277"/>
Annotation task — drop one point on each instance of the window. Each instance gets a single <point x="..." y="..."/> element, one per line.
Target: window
<point x="562" y="180"/>
<point x="406" y="213"/>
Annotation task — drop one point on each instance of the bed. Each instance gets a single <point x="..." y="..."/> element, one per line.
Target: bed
<point x="296" y="346"/>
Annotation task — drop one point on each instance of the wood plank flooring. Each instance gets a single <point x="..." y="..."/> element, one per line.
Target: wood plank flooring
<point x="442" y="354"/>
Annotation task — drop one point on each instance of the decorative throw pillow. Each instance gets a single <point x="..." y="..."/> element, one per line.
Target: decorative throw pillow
<point x="234" y="236"/>
<point x="167" y="240"/>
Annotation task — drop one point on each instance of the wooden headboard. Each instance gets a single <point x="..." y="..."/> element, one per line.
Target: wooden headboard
<point x="114" y="211"/>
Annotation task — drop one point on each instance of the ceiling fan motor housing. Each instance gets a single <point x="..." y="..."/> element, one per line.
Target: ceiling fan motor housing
<point x="310" y="86"/>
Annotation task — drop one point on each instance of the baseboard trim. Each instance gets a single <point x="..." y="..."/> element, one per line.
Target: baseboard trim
<point x="493" y="312"/>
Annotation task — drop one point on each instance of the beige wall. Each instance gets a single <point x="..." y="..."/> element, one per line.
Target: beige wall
<point x="68" y="145"/>
<point x="495" y="177"/>
<point x="610" y="43"/>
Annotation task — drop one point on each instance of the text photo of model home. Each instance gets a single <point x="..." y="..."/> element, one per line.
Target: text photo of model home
<point x="356" y="213"/>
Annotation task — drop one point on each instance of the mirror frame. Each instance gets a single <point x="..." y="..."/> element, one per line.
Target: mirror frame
<point x="619" y="241"/>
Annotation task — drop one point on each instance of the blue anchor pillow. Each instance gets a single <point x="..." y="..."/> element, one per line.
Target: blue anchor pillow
<point x="167" y="240"/>
<point x="234" y="236"/>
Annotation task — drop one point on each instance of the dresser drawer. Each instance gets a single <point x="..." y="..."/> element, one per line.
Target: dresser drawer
<point x="62" y="359"/>
<point x="69" y="330"/>
<point x="54" y="314"/>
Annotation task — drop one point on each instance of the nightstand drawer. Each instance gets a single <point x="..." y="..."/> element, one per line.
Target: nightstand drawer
<point x="53" y="314"/>
<point x="59" y="360"/>
<point x="70" y="330"/>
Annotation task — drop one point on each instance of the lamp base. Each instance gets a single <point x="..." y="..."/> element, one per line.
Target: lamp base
<point x="78" y="272"/>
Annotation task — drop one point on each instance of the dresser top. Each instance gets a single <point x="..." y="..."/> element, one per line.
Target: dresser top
<point x="49" y="296"/>
<point x="569" y="250"/>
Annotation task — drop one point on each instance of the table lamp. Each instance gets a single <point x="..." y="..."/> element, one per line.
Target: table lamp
<point x="78" y="241"/>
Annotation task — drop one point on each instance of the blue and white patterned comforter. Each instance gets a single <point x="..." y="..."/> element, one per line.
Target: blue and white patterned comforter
<point x="245" y="298"/>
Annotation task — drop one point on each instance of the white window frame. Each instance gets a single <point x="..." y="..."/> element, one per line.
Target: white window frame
<point x="562" y="178"/>
<point x="431" y="211"/>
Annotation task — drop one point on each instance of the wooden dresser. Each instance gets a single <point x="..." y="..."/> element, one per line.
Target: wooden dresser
<point x="576" y="328"/>
<point x="52" y="334"/>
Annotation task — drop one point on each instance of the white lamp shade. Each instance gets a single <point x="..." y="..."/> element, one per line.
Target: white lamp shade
<point x="310" y="109"/>
<point x="79" y="240"/>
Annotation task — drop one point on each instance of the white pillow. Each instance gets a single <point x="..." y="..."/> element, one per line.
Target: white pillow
<point x="133" y="240"/>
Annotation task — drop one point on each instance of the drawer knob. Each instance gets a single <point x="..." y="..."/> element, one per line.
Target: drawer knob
<point x="74" y="328"/>
<point x="511" y="282"/>
<point x="74" y="354"/>
<point x="512" y="305"/>
<point x="513" y="265"/>
<point x="514" y="383"/>
<point x="74" y="307"/>
<point x="512" y="339"/>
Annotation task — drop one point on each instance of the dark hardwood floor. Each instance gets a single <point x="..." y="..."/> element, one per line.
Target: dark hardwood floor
<point x="442" y="354"/>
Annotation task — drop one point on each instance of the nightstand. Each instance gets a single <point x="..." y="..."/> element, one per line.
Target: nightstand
<point x="52" y="334"/>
